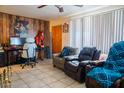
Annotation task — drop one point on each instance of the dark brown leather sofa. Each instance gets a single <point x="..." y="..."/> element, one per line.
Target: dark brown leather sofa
<point x="60" y="61"/>
<point x="75" y="68"/>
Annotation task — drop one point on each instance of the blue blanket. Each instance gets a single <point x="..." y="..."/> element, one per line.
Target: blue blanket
<point x="112" y="69"/>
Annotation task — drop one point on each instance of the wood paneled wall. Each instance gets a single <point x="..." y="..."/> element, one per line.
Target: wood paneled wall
<point x="7" y="22"/>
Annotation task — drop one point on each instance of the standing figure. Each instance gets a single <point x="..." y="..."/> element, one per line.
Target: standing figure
<point x="39" y="39"/>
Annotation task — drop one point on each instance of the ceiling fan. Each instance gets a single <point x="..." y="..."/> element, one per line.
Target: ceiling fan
<point x="60" y="7"/>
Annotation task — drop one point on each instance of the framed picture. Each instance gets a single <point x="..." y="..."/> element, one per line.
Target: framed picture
<point x="21" y="27"/>
<point x="65" y="27"/>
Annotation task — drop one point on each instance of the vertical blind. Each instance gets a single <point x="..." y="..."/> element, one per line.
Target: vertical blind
<point x="76" y="33"/>
<point x="100" y="30"/>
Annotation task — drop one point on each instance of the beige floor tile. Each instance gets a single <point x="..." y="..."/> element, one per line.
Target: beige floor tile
<point x="67" y="81"/>
<point x="18" y="81"/>
<point x="57" y="84"/>
<point x="39" y="66"/>
<point x="49" y="80"/>
<point x="29" y="80"/>
<point x="50" y="73"/>
<point x="36" y="72"/>
<point x="40" y="76"/>
<point x="25" y="75"/>
<point x="46" y="86"/>
<point x="15" y="77"/>
<point x="19" y="84"/>
<point x="84" y="85"/>
<point x="59" y="76"/>
<point x="37" y="84"/>
<point x="77" y="85"/>
<point x="45" y="70"/>
<point x="43" y="75"/>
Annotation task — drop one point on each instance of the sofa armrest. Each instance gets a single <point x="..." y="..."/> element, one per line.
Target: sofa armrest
<point x="119" y="83"/>
<point x="84" y="63"/>
<point x="122" y="82"/>
<point x="93" y="64"/>
<point x="97" y="63"/>
<point x="89" y="67"/>
<point x="71" y="58"/>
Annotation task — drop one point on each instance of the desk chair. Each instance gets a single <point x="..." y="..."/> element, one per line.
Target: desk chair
<point x="29" y="61"/>
<point x="29" y="53"/>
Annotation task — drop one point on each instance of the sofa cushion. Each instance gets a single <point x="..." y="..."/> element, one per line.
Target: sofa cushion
<point x="85" y="57"/>
<point x="86" y="53"/>
<point x="72" y="66"/>
<point x="96" y="55"/>
<point x="72" y="51"/>
<point x="68" y="51"/>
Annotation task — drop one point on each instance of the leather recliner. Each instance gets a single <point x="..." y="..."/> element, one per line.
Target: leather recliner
<point x="75" y="67"/>
<point x="59" y="59"/>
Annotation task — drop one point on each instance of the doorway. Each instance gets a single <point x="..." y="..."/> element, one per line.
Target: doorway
<point x="56" y="39"/>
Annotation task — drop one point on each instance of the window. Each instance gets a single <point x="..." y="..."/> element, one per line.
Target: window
<point x="100" y="30"/>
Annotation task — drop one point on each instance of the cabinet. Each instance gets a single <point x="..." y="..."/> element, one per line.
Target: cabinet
<point x="8" y="57"/>
<point x="11" y="55"/>
<point x="2" y="59"/>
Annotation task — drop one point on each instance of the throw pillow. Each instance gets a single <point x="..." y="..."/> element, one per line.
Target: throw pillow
<point x="65" y="52"/>
<point x="103" y="57"/>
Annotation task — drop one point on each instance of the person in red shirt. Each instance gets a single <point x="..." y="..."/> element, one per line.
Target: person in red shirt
<point x="39" y="40"/>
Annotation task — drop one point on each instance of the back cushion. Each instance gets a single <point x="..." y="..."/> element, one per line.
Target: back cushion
<point x="96" y="55"/>
<point x="72" y="51"/>
<point x="65" y="52"/>
<point x="86" y="53"/>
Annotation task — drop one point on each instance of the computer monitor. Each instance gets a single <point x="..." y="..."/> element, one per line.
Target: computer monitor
<point x="17" y="41"/>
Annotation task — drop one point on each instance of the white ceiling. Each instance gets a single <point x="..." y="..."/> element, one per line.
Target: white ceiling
<point x="47" y="13"/>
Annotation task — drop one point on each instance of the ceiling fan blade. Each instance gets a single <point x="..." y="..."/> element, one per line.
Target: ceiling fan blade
<point x="41" y="6"/>
<point x="79" y="5"/>
<point x="60" y="8"/>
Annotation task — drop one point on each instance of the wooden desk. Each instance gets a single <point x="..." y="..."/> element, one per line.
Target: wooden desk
<point x="11" y="55"/>
<point x="2" y="59"/>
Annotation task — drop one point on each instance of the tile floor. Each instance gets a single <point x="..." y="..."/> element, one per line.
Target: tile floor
<point x="44" y="75"/>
